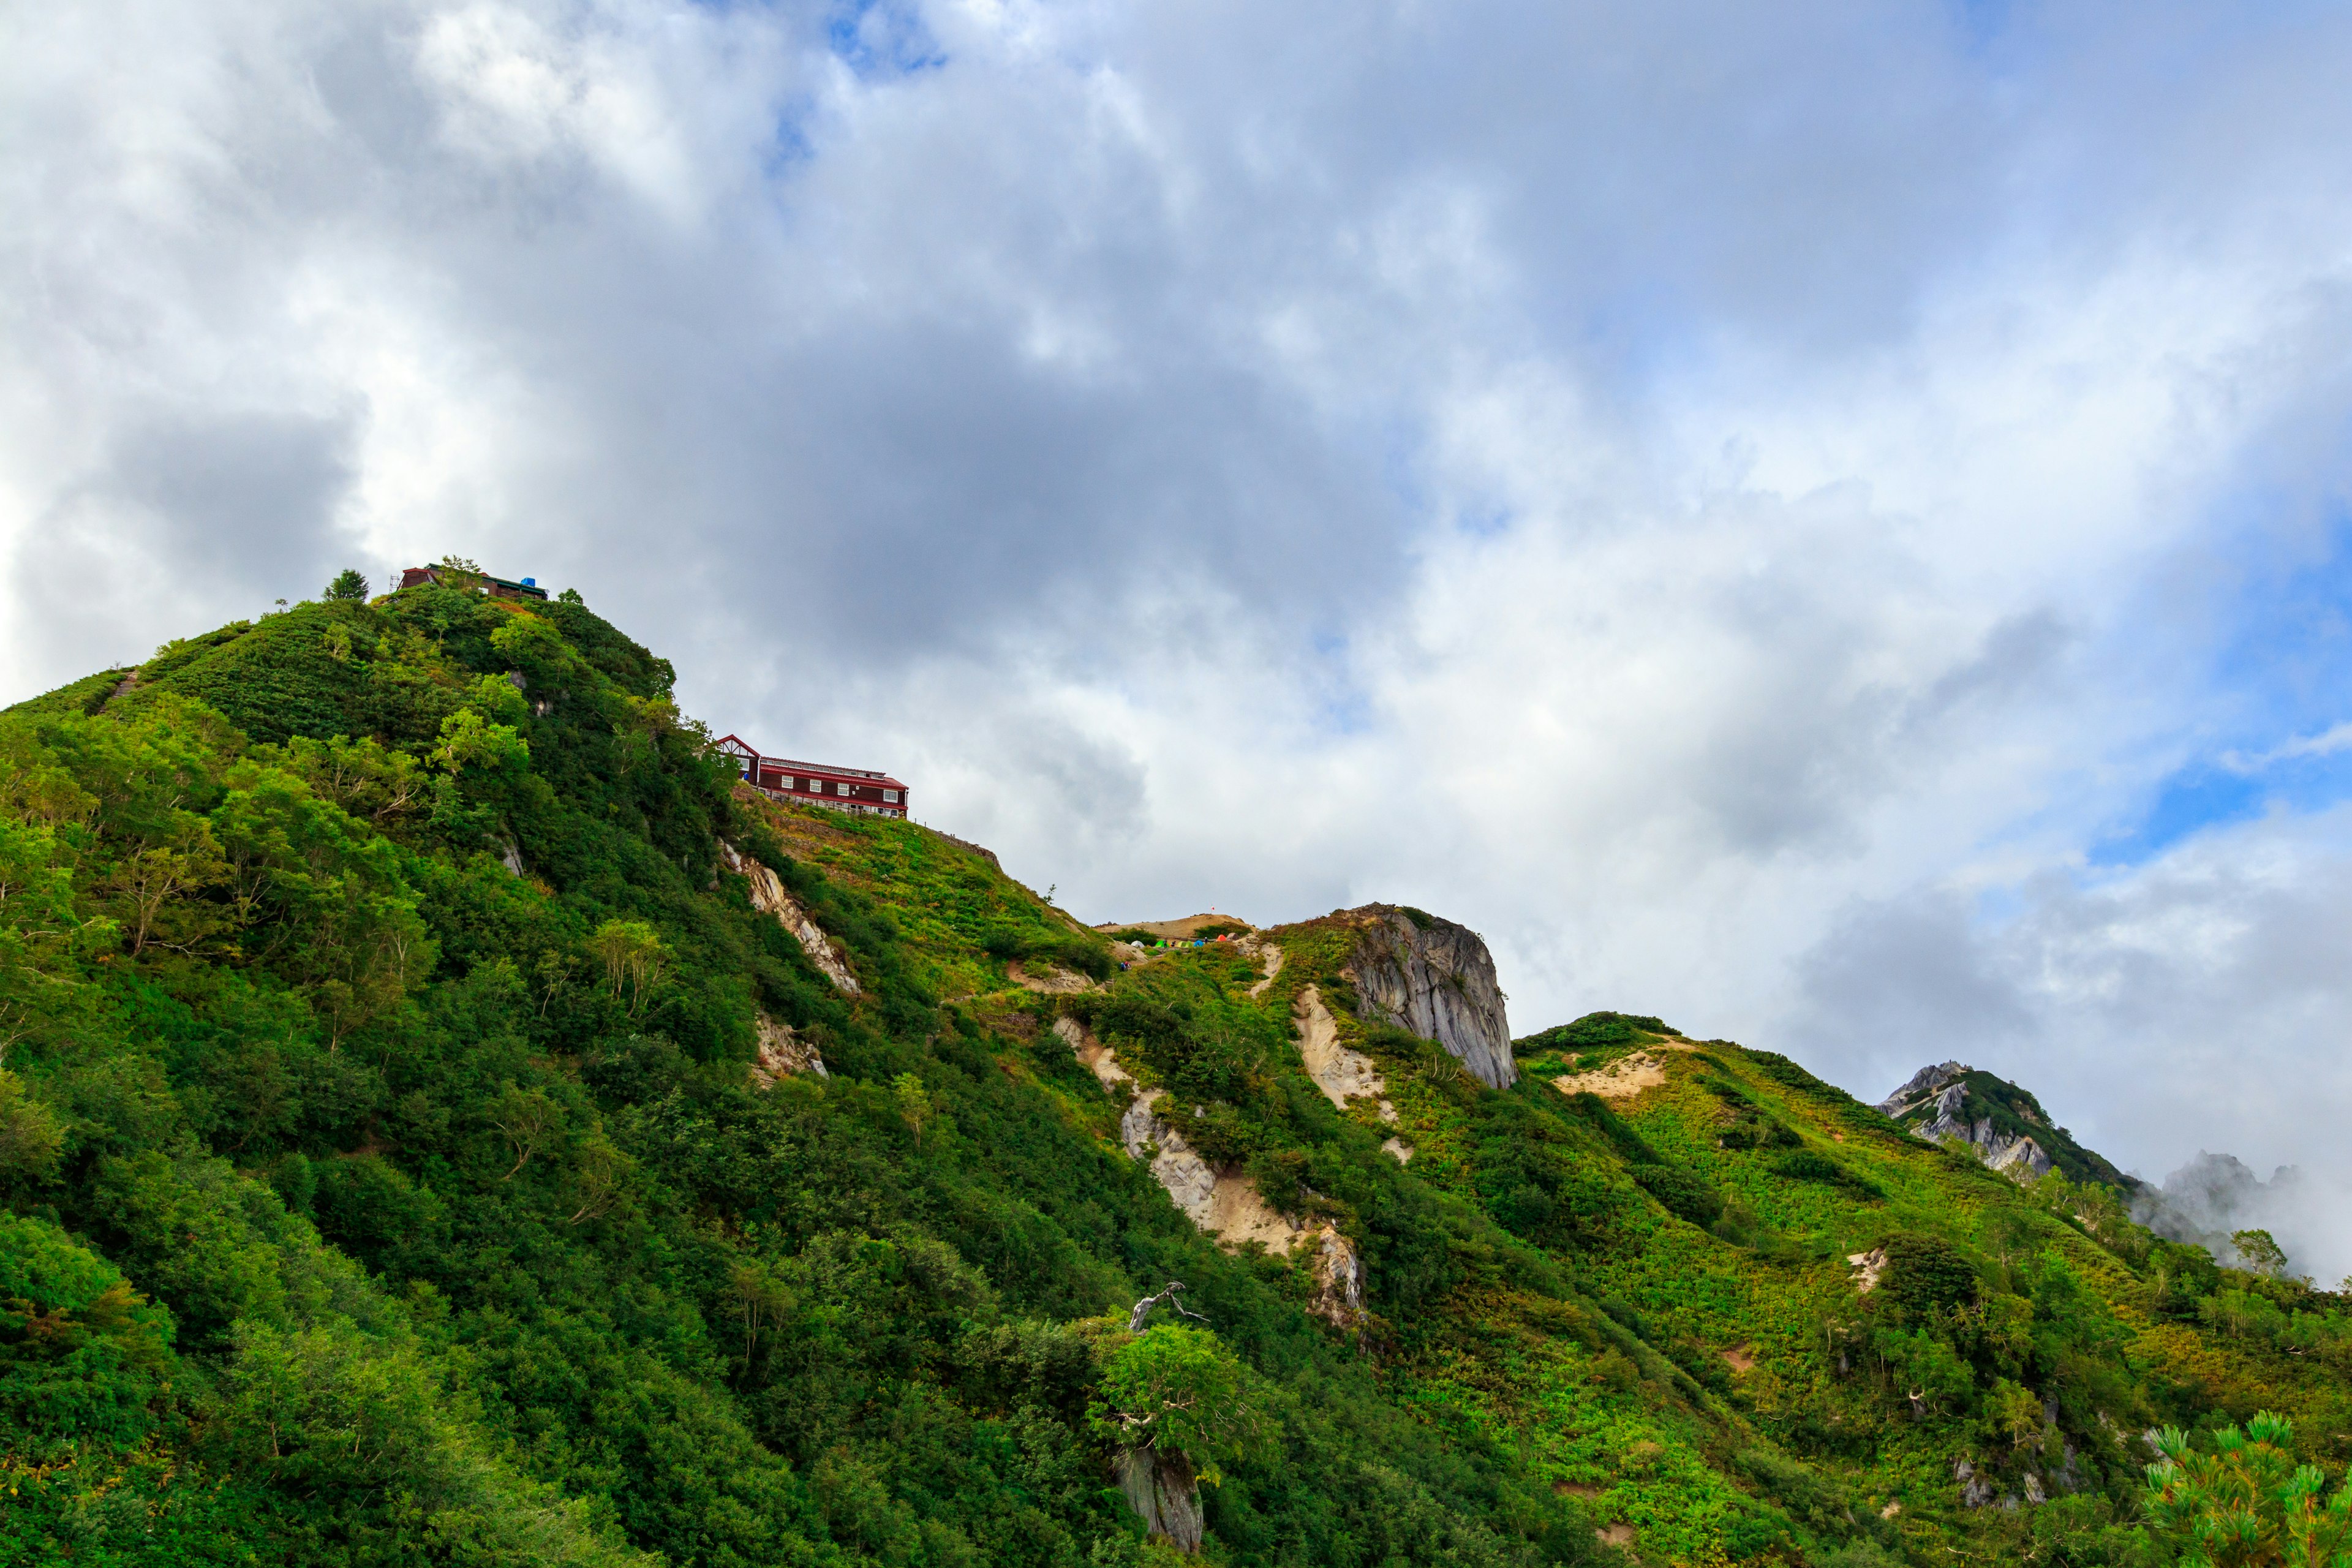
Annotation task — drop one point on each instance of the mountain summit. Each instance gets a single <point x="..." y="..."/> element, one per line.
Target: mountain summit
<point x="2005" y="1124"/>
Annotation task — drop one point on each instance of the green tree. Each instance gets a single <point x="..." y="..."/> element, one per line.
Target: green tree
<point x="632" y="956"/>
<point x="2261" y="1252"/>
<point x="2246" y="1503"/>
<point x="348" y="584"/>
<point x="1179" y="1404"/>
<point x="82" y="1355"/>
<point x="30" y="1136"/>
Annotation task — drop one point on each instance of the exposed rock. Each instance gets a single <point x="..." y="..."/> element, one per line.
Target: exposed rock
<point x="1225" y="1204"/>
<point x="1046" y="977"/>
<point x="2034" y="1492"/>
<point x="1992" y="1116"/>
<point x="783" y="1052"/>
<point x="1341" y="1074"/>
<point x="1165" y="1495"/>
<point x="1099" y="1058"/>
<point x="1935" y="1104"/>
<point x="1183" y="930"/>
<point x="1872" y="1264"/>
<point x="1268" y="951"/>
<point x="1398" y="1150"/>
<point x="2214" y="1195"/>
<point x="1975" y="1490"/>
<point x="510" y="857"/>
<point x="1436" y="979"/>
<point x="768" y="896"/>
<point x="1338" y="1276"/>
<point x="1623" y="1078"/>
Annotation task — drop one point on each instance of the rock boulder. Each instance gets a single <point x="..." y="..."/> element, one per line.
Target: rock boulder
<point x="1436" y="979"/>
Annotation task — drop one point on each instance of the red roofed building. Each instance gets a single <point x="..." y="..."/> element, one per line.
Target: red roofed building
<point x="817" y="783"/>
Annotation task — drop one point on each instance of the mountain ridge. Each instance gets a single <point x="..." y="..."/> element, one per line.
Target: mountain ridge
<point x="446" y="1118"/>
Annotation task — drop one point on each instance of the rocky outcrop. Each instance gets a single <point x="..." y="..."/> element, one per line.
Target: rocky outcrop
<point x="768" y="896"/>
<point x="784" y="1053"/>
<point x="1935" y="1105"/>
<point x="1338" y="1276"/>
<point x="1868" y="1267"/>
<point x="1035" y="974"/>
<point x="1223" y="1202"/>
<point x="1341" y="1073"/>
<point x="1165" y="1495"/>
<point x="1226" y="1204"/>
<point x="1097" y="1057"/>
<point x="1436" y="979"/>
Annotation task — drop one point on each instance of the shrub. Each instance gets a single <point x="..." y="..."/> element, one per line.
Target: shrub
<point x="1812" y="1165"/>
<point x="2247" y="1500"/>
<point x="1594" y="1031"/>
<point x="1926" y="1275"/>
<point x="1684" y="1195"/>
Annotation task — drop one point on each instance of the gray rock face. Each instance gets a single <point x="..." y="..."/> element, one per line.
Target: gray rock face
<point x="1935" y="1103"/>
<point x="1436" y="979"/>
<point x="1165" y="1495"/>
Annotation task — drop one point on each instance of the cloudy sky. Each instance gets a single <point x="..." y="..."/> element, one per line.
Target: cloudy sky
<point x="1824" y="522"/>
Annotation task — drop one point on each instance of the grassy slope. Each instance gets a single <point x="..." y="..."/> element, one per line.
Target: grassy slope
<point x="843" y="1319"/>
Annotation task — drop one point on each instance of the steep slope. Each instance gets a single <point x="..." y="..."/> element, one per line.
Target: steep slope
<point x="446" y="1118"/>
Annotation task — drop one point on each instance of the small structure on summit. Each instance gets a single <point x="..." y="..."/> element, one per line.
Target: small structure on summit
<point x="860" y="790"/>
<point x="497" y="587"/>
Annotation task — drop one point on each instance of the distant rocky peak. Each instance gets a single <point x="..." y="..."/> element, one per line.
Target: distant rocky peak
<point x="1925" y="1085"/>
<point x="2004" y="1124"/>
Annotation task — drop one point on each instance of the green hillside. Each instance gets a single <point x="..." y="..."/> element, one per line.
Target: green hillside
<point x="411" y="1150"/>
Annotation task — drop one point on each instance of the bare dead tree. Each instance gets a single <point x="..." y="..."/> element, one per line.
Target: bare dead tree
<point x="1166" y="1296"/>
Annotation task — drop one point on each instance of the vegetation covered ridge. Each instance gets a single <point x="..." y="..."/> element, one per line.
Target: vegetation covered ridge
<point x="413" y="1150"/>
